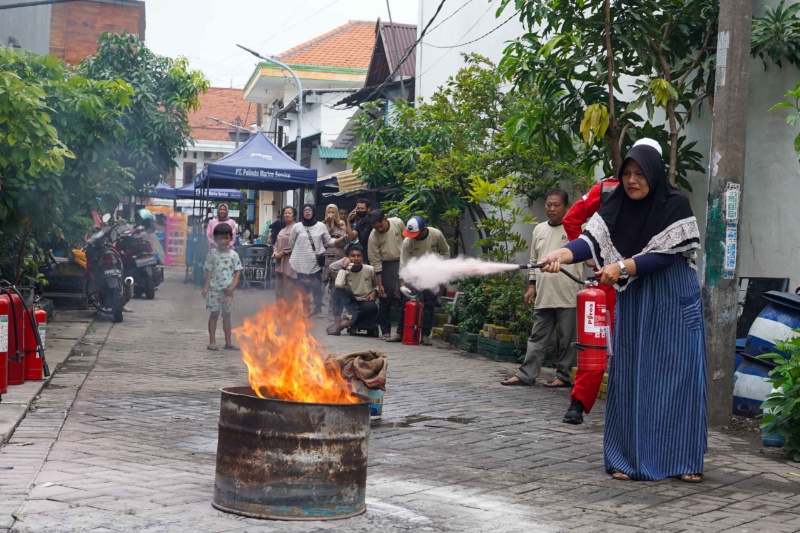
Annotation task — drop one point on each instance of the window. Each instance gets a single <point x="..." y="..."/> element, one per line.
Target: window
<point x="189" y="172"/>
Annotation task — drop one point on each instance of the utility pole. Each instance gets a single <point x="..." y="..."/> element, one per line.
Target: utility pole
<point x="725" y="183"/>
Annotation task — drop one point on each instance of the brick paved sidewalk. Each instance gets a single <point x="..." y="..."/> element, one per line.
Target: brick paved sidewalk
<point x="455" y="450"/>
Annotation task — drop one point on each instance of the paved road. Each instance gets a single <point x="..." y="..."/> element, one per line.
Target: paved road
<point x="456" y="452"/>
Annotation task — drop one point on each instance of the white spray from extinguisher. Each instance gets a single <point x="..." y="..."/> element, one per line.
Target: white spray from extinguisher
<point x="431" y="271"/>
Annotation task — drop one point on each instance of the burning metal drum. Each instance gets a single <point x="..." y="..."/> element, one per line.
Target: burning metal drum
<point x="289" y="460"/>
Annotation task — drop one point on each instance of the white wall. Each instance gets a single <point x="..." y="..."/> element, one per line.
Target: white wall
<point x="29" y="26"/>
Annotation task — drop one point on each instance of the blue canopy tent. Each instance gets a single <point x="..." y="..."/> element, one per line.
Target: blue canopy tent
<point x="161" y="190"/>
<point x="189" y="191"/>
<point x="258" y="165"/>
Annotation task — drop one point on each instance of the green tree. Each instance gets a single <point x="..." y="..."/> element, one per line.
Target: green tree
<point x="437" y="152"/>
<point x="580" y="51"/>
<point x="58" y="128"/>
<point x="157" y="122"/>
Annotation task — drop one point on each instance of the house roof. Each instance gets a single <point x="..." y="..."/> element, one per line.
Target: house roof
<point x="348" y="46"/>
<point x="392" y="43"/>
<point x="332" y="153"/>
<point x="226" y="105"/>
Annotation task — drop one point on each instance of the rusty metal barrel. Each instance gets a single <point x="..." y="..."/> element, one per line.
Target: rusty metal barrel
<point x="288" y="460"/>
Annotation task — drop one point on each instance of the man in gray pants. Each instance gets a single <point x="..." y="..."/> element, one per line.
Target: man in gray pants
<point x="555" y="300"/>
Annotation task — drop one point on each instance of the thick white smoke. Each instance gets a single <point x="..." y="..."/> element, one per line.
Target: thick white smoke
<point x="430" y="271"/>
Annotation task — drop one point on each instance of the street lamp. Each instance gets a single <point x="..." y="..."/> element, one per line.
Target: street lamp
<point x="298" y="154"/>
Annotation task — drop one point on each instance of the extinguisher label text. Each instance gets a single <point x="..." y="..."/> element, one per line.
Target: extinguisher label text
<point x="42" y="334"/>
<point x="3" y="333"/>
<point x="594" y="319"/>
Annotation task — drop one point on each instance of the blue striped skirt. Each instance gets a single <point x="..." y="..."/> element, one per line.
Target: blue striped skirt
<point x="656" y="406"/>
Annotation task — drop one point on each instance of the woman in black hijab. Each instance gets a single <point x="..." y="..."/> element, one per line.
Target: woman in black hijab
<point x="644" y="240"/>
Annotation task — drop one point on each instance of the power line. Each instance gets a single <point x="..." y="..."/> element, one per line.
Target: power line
<point x="419" y="76"/>
<point x="408" y="53"/>
<point x="479" y="38"/>
<point x="451" y="15"/>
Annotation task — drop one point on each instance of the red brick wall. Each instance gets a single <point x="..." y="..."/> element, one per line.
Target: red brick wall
<point x="75" y="26"/>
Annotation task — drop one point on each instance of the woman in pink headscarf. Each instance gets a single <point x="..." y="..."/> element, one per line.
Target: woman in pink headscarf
<point x="222" y="218"/>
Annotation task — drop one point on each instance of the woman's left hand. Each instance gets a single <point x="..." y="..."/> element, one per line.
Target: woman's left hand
<point x="609" y="274"/>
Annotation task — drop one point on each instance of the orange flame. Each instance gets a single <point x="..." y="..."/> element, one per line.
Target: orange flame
<point x="284" y="361"/>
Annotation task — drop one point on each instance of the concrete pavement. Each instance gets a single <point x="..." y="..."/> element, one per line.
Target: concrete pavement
<point x="124" y="439"/>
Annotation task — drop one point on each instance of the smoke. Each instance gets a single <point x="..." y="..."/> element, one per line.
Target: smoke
<point x="430" y="271"/>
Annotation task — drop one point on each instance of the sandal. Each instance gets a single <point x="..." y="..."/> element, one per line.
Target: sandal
<point x="230" y="347"/>
<point x="426" y="342"/>
<point x="691" y="478"/>
<point x="394" y="339"/>
<point x="212" y="347"/>
<point x="557" y="383"/>
<point x="386" y="337"/>
<point x="517" y="383"/>
<point x="619" y="475"/>
<point x="332" y="330"/>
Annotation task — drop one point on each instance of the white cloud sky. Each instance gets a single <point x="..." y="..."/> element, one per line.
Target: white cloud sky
<point x="207" y="31"/>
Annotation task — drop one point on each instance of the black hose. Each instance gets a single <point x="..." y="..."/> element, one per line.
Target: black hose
<point x="570" y="276"/>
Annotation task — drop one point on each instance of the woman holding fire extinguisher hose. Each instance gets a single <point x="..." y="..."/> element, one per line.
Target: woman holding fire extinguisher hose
<point x="644" y="241"/>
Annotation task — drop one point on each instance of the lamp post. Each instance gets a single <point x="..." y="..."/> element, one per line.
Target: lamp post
<point x="298" y="155"/>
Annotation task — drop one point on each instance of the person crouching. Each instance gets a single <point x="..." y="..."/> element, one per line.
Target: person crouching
<point x="355" y="292"/>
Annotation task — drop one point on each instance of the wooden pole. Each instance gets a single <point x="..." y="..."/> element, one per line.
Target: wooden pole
<point x="725" y="183"/>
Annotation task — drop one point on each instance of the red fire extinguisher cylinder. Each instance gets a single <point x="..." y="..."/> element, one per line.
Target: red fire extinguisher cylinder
<point x="5" y="345"/>
<point x="412" y="323"/>
<point x="592" y="330"/>
<point x="16" y="343"/>
<point x="34" y="369"/>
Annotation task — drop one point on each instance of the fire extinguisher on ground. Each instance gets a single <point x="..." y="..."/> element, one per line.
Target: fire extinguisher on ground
<point x="15" y="353"/>
<point x="412" y="319"/>
<point x="36" y="322"/>
<point x="5" y="332"/>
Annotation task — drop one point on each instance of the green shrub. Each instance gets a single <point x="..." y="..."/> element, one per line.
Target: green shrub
<point x="784" y="405"/>
<point x="495" y="300"/>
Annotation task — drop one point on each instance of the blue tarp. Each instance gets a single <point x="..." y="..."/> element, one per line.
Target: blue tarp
<point x="258" y="165"/>
<point x="161" y="190"/>
<point x="189" y="191"/>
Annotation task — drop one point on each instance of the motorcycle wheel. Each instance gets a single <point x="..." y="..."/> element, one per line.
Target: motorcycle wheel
<point x="92" y="298"/>
<point x="116" y="305"/>
<point x="149" y="286"/>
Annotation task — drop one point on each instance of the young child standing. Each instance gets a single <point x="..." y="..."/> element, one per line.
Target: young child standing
<point x="222" y="269"/>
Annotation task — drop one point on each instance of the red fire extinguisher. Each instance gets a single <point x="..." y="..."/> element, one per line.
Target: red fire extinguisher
<point x="16" y="343"/>
<point x="592" y="329"/>
<point x="5" y="311"/>
<point x="34" y="369"/>
<point x="412" y="322"/>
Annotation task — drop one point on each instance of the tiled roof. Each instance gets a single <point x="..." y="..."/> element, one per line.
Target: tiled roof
<point x="348" y="46"/>
<point x="224" y="104"/>
<point x="332" y="153"/>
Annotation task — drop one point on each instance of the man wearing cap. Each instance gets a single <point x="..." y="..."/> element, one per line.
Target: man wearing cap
<point x="385" y="244"/>
<point x="421" y="240"/>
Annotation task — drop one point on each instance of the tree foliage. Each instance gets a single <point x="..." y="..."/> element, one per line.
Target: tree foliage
<point x="438" y="152"/>
<point x="793" y="103"/>
<point x="157" y="121"/>
<point x="776" y="35"/>
<point x="579" y="55"/>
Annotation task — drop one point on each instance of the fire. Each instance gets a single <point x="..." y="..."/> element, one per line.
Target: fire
<point x="284" y="361"/>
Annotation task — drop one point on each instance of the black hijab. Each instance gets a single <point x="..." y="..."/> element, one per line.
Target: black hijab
<point x="311" y="221"/>
<point x="661" y="222"/>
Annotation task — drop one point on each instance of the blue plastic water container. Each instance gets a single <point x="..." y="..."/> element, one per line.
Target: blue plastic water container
<point x="774" y="323"/>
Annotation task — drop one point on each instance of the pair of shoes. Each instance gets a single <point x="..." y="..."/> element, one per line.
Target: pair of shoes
<point x="691" y="478"/>
<point x="394" y="339"/>
<point x="557" y="383"/>
<point x="230" y="347"/>
<point x="517" y="383"/>
<point x="212" y="347"/>
<point x="574" y="414"/>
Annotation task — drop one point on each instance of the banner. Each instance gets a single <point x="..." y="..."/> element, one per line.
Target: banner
<point x="177" y="224"/>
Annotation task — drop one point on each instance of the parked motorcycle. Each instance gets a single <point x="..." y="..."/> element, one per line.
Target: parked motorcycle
<point x="139" y="261"/>
<point x="106" y="288"/>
